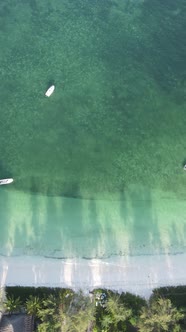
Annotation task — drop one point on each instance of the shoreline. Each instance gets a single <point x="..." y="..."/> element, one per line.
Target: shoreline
<point x="136" y="274"/>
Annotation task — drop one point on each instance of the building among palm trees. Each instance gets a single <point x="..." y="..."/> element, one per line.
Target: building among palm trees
<point x="16" y="323"/>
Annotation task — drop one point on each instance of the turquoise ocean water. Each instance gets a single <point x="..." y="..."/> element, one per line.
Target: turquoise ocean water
<point x="98" y="166"/>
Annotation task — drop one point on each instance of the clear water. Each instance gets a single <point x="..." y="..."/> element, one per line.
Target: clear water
<point x="98" y="166"/>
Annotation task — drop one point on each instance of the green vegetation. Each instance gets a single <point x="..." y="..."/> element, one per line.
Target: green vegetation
<point x="175" y="294"/>
<point x="33" y="305"/>
<point x="62" y="310"/>
<point x="160" y="315"/>
<point x="12" y="304"/>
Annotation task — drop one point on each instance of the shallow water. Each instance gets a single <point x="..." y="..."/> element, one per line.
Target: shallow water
<point x="98" y="166"/>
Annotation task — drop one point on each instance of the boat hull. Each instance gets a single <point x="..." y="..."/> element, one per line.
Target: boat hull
<point x="50" y="91"/>
<point x="6" y="181"/>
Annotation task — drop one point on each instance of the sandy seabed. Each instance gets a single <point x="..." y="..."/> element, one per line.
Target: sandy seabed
<point x="136" y="274"/>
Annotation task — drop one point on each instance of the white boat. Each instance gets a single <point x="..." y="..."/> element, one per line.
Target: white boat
<point x="50" y="91"/>
<point x="6" y="181"/>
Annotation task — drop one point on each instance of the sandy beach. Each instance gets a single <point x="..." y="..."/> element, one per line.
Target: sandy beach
<point x="138" y="247"/>
<point x="137" y="274"/>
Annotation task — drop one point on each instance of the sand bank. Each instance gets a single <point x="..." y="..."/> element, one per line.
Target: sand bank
<point x="137" y="274"/>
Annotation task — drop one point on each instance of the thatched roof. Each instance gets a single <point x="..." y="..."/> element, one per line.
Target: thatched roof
<point x="17" y="323"/>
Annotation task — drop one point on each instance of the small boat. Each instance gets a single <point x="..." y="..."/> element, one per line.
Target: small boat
<point x="6" y="181"/>
<point x="184" y="167"/>
<point x="50" y="91"/>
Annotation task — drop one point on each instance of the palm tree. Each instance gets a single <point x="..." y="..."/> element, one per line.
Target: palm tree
<point x="117" y="310"/>
<point x="159" y="316"/>
<point x="72" y="313"/>
<point x="12" y="304"/>
<point x="106" y="322"/>
<point x="33" y="304"/>
<point x="114" y="316"/>
<point x="49" y="327"/>
<point x="80" y="315"/>
<point x="49" y="315"/>
<point x="81" y="321"/>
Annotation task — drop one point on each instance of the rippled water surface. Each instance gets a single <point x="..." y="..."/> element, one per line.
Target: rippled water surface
<point x="98" y="166"/>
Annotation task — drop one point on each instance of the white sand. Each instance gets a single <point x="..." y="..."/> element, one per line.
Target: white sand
<point x="137" y="274"/>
